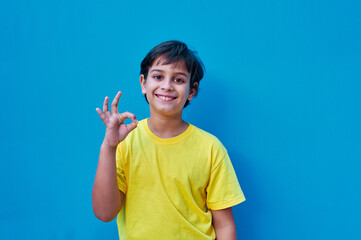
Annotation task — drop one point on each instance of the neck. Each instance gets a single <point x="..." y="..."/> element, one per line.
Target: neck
<point x="165" y="126"/>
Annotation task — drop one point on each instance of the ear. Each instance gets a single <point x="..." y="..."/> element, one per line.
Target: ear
<point x="192" y="91"/>
<point x="142" y="83"/>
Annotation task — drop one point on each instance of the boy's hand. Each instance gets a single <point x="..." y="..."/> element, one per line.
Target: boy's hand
<point x="116" y="130"/>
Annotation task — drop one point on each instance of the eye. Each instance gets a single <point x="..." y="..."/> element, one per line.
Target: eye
<point x="179" y="80"/>
<point x="158" y="77"/>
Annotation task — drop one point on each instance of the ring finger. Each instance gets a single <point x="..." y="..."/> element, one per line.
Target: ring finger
<point x="105" y="107"/>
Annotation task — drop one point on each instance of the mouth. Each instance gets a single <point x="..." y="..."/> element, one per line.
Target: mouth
<point x="165" y="98"/>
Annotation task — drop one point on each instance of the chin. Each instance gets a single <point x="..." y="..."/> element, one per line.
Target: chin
<point x="167" y="111"/>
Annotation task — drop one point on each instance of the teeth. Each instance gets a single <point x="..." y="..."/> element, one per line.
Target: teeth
<point x="165" y="98"/>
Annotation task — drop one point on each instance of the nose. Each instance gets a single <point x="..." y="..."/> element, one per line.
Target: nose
<point x="167" y="85"/>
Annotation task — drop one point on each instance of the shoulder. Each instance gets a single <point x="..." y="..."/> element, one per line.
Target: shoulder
<point x="204" y="135"/>
<point x="205" y="138"/>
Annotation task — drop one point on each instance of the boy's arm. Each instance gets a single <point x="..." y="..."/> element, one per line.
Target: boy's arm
<point x="223" y="223"/>
<point x="107" y="199"/>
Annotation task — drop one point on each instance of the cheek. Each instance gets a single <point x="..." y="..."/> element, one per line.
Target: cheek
<point x="184" y="91"/>
<point x="146" y="87"/>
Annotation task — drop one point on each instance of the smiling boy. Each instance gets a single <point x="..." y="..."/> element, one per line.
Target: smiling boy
<point x="163" y="177"/>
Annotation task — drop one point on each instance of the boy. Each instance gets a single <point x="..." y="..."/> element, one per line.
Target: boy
<point x="163" y="177"/>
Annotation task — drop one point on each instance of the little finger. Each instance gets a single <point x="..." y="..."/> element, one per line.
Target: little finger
<point x="101" y="114"/>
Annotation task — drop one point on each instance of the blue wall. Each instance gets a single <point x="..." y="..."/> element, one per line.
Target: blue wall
<point x="282" y="92"/>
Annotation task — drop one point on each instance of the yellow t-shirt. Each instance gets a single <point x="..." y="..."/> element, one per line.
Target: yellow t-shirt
<point x="170" y="184"/>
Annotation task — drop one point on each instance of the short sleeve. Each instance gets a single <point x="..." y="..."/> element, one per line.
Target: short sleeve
<point x="119" y="157"/>
<point x="223" y="189"/>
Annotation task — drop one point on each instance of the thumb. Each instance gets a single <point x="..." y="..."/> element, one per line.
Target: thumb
<point x="131" y="126"/>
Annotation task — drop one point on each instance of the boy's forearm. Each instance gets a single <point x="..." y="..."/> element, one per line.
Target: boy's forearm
<point x="106" y="197"/>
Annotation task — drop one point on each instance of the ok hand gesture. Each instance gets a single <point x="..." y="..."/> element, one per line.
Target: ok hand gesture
<point x="116" y="130"/>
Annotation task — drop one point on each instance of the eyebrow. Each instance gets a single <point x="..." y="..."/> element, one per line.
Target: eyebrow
<point x="159" y="70"/>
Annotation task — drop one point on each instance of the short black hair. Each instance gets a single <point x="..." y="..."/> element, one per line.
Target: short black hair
<point x="173" y="52"/>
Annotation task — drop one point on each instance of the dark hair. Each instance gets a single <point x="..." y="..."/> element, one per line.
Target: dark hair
<point x="173" y="52"/>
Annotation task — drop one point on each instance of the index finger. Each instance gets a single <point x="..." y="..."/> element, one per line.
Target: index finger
<point x="115" y="102"/>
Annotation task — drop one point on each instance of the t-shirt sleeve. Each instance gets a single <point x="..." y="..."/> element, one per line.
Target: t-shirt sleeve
<point x="223" y="189"/>
<point x="119" y="157"/>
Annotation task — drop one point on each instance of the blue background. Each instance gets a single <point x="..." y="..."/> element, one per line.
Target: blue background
<point x="282" y="92"/>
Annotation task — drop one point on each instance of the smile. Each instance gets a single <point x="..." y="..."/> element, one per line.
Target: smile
<point x="165" y="98"/>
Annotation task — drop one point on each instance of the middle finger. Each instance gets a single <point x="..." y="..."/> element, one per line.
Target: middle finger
<point x="115" y="102"/>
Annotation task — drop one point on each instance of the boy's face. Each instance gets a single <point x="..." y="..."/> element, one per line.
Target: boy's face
<point x="167" y="88"/>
